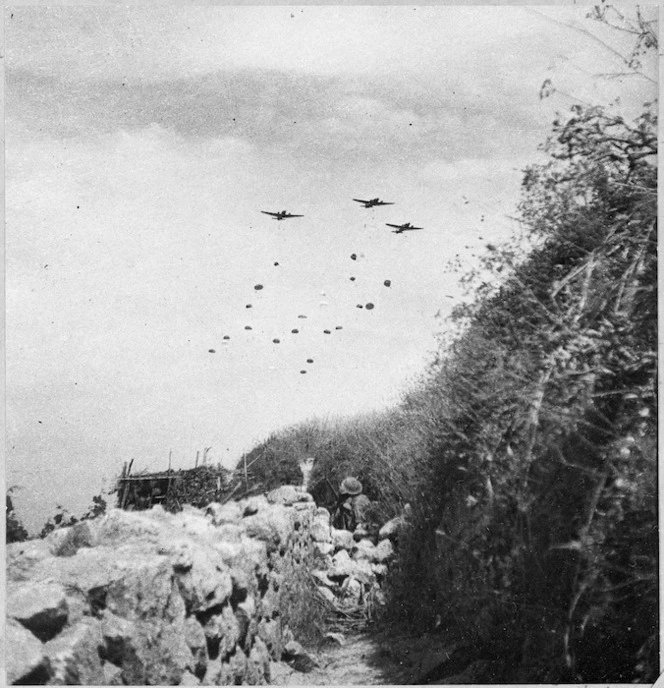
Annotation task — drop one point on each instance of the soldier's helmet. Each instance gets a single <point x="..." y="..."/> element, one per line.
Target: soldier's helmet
<point x="350" y="486"/>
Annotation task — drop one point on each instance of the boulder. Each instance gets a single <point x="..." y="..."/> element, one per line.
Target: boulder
<point x="269" y="631"/>
<point x="360" y="533"/>
<point x="272" y="525"/>
<point x="149" y="652"/>
<point x="391" y="528"/>
<point x="253" y="505"/>
<point x="120" y="526"/>
<point x="197" y="643"/>
<point x="112" y="675"/>
<point x="364" y="549"/>
<point x="342" y="539"/>
<point x="221" y="629"/>
<point x="322" y="578"/>
<point x="146" y="588"/>
<point x="323" y="548"/>
<point x="379" y="570"/>
<point x="25" y="659"/>
<point x="320" y="530"/>
<point x="41" y="607"/>
<point x="326" y="594"/>
<point x="287" y="495"/>
<point x="23" y="556"/>
<point x="223" y="513"/>
<point x="206" y="582"/>
<point x="74" y="655"/>
<point x="75" y="537"/>
<point x="384" y="551"/>
<point x="342" y="565"/>
<point x="363" y="571"/>
<point x="352" y="589"/>
<point x="188" y="679"/>
<point x="258" y="664"/>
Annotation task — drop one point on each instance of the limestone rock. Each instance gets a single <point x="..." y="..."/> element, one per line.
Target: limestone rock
<point x="112" y="675"/>
<point x="352" y="589"/>
<point x="221" y="629"/>
<point x="188" y="679"/>
<point x="196" y="641"/>
<point x="323" y="548"/>
<point x="364" y="549"/>
<point x="253" y="505"/>
<point x="149" y="652"/>
<point x="120" y="526"/>
<point x="74" y="655"/>
<point x="287" y="495"/>
<point x="342" y="565"/>
<point x="223" y="513"/>
<point x="322" y="578"/>
<point x="320" y="530"/>
<point x="272" y="525"/>
<point x="335" y="638"/>
<point x="25" y="658"/>
<point x="326" y="594"/>
<point x="384" y="551"/>
<point x="146" y="588"/>
<point x="23" y="556"/>
<point x="342" y="539"/>
<point x="363" y="571"/>
<point x="269" y="631"/>
<point x="258" y="665"/>
<point x="75" y="537"/>
<point x="379" y="570"/>
<point x="360" y="533"/>
<point x="41" y="607"/>
<point x="391" y="528"/>
<point x="206" y="583"/>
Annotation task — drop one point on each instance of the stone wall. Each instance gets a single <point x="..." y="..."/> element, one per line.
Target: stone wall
<point x="201" y="597"/>
<point x="155" y="598"/>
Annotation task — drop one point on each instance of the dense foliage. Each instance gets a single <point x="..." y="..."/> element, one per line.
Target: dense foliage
<point x="542" y="519"/>
<point x="15" y="530"/>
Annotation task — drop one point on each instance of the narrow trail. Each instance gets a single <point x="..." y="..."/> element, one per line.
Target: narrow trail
<point x="368" y="659"/>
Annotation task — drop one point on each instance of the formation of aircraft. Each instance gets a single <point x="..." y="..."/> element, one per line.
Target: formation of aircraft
<point x="372" y="202"/>
<point x="368" y="203"/>
<point x="399" y="229"/>
<point x="281" y="215"/>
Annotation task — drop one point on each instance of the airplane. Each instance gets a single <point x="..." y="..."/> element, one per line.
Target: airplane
<point x="372" y="202"/>
<point x="403" y="228"/>
<point x="281" y="215"/>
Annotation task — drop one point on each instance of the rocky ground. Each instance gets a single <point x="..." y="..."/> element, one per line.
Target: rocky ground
<point x="368" y="659"/>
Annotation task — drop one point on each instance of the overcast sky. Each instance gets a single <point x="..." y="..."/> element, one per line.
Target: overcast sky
<point x="141" y="146"/>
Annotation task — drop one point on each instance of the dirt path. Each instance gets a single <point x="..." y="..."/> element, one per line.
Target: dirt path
<point x="368" y="659"/>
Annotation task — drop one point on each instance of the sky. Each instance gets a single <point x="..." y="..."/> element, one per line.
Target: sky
<point x="142" y="144"/>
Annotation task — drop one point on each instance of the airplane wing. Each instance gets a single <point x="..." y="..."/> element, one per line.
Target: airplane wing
<point x="266" y="212"/>
<point x="395" y="226"/>
<point x="411" y="229"/>
<point x="359" y="200"/>
<point x="384" y="203"/>
<point x="287" y="216"/>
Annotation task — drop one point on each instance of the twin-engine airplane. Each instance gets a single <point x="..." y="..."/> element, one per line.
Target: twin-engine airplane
<point x="403" y="228"/>
<point x="372" y="202"/>
<point x="281" y="215"/>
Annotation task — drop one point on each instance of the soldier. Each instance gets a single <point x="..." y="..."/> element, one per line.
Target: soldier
<point x="351" y="505"/>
